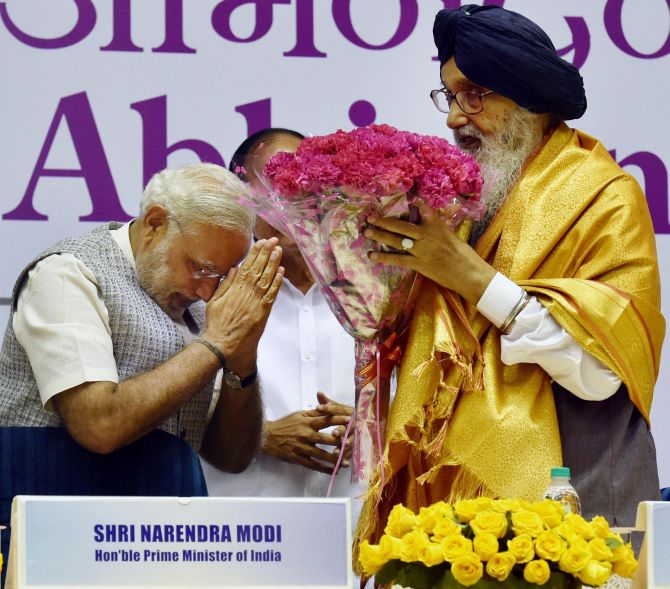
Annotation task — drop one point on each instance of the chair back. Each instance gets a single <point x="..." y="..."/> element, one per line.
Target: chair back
<point x="48" y="461"/>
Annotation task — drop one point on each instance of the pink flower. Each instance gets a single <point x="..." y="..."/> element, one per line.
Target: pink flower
<point x="376" y="161"/>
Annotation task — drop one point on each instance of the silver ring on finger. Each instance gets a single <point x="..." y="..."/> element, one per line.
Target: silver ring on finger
<point x="406" y="243"/>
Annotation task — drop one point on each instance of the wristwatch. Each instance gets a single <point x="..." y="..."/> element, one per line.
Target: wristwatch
<point x="231" y="379"/>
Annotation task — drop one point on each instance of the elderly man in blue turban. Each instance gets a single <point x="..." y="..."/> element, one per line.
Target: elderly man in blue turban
<point x="560" y="285"/>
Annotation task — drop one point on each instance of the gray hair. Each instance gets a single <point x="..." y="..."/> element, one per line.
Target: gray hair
<point x="200" y="193"/>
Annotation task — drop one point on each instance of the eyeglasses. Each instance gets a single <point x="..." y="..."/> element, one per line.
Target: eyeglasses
<point x="469" y="101"/>
<point x="200" y="270"/>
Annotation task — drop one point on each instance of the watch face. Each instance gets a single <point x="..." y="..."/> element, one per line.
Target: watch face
<point x="232" y="380"/>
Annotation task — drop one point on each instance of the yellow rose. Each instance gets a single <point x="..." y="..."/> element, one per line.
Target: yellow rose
<point x="600" y="526"/>
<point x="567" y="530"/>
<point x="485" y="546"/>
<point x="370" y="558"/>
<point x="389" y="547"/>
<point x="492" y="522"/>
<point x="522" y="548"/>
<point x="445" y="528"/>
<point x="528" y="522"/>
<point x="599" y="549"/>
<point x="484" y="503"/>
<point x="551" y="512"/>
<point x="583" y="527"/>
<point x="505" y="505"/>
<point x="620" y="550"/>
<point x="455" y="546"/>
<point x="432" y="555"/>
<point x="467" y="569"/>
<point x="537" y="572"/>
<point x="550" y="546"/>
<point x="412" y="545"/>
<point x="466" y="509"/>
<point x="625" y="568"/>
<point x="427" y="519"/>
<point x="625" y="565"/>
<point x="595" y="573"/>
<point x="401" y="521"/>
<point x="501" y="565"/>
<point x="442" y="510"/>
<point x="574" y="559"/>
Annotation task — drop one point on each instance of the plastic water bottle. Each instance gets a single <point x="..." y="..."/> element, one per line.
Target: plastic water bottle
<point x="562" y="491"/>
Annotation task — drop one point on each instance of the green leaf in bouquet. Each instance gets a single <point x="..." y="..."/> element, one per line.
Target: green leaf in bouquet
<point x="389" y="572"/>
<point x="556" y="581"/>
<point x="562" y="581"/>
<point x="612" y="543"/>
<point x="449" y="582"/>
<point x="510" y="532"/>
<point x="418" y="576"/>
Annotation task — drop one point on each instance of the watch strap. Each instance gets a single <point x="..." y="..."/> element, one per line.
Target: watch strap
<point x="244" y="382"/>
<point x="247" y="380"/>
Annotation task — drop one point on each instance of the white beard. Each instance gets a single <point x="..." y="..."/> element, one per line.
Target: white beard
<point x="154" y="276"/>
<point x="501" y="158"/>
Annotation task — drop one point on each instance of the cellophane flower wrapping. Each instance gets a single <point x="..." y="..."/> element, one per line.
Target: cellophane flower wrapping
<point x="321" y="195"/>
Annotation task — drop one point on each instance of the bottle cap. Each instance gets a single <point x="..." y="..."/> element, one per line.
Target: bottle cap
<point x="560" y="471"/>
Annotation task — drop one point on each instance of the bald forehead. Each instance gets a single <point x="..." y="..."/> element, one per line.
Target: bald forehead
<point x="273" y="143"/>
<point x="261" y="152"/>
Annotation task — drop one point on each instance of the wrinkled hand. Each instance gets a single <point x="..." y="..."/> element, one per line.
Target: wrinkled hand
<point x="294" y="438"/>
<point x="238" y="310"/>
<point x="329" y="407"/>
<point x="438" y="253"/>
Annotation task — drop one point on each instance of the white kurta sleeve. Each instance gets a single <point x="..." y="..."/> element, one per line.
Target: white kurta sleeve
<point x="535" y="337"/>
<point x="63" y="326"/>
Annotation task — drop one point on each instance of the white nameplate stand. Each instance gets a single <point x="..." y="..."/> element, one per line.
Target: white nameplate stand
<point x="653" y="572"/>
<point x="138" y="542"/>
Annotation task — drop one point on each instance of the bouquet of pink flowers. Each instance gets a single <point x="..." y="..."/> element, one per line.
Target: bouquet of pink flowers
<point x="321" y="195"/>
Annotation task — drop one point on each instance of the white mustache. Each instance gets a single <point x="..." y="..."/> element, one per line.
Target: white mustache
<point x="468" y="131"/>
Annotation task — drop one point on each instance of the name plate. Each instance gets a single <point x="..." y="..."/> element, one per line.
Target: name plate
<point x="111" y="542"/>
<point x="653" y="517"/>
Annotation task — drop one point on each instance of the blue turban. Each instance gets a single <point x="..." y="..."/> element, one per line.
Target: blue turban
<point x="508" y="53"/>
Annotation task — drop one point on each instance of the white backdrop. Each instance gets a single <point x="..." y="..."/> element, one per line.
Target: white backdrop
<point x="98" y="94"/>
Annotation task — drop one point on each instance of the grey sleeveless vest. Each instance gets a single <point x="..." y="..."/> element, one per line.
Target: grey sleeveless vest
<point x="143" y="337"/>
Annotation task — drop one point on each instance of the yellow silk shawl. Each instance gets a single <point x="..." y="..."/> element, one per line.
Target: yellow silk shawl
<point x="576" y="233"/>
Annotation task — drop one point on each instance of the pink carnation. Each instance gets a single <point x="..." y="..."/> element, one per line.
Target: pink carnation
<point x="378" y="160"/>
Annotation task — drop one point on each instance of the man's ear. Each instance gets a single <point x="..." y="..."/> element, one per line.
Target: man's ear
<point x="154" y="223"/>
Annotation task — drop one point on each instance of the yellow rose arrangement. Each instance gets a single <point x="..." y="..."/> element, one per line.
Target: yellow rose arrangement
<point x="484" y="542"/>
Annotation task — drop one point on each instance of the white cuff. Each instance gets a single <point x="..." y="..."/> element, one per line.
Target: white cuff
<point x="499" y="298"/>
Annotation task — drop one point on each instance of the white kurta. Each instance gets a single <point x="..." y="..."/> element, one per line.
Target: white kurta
<point x="303" y="350"/>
